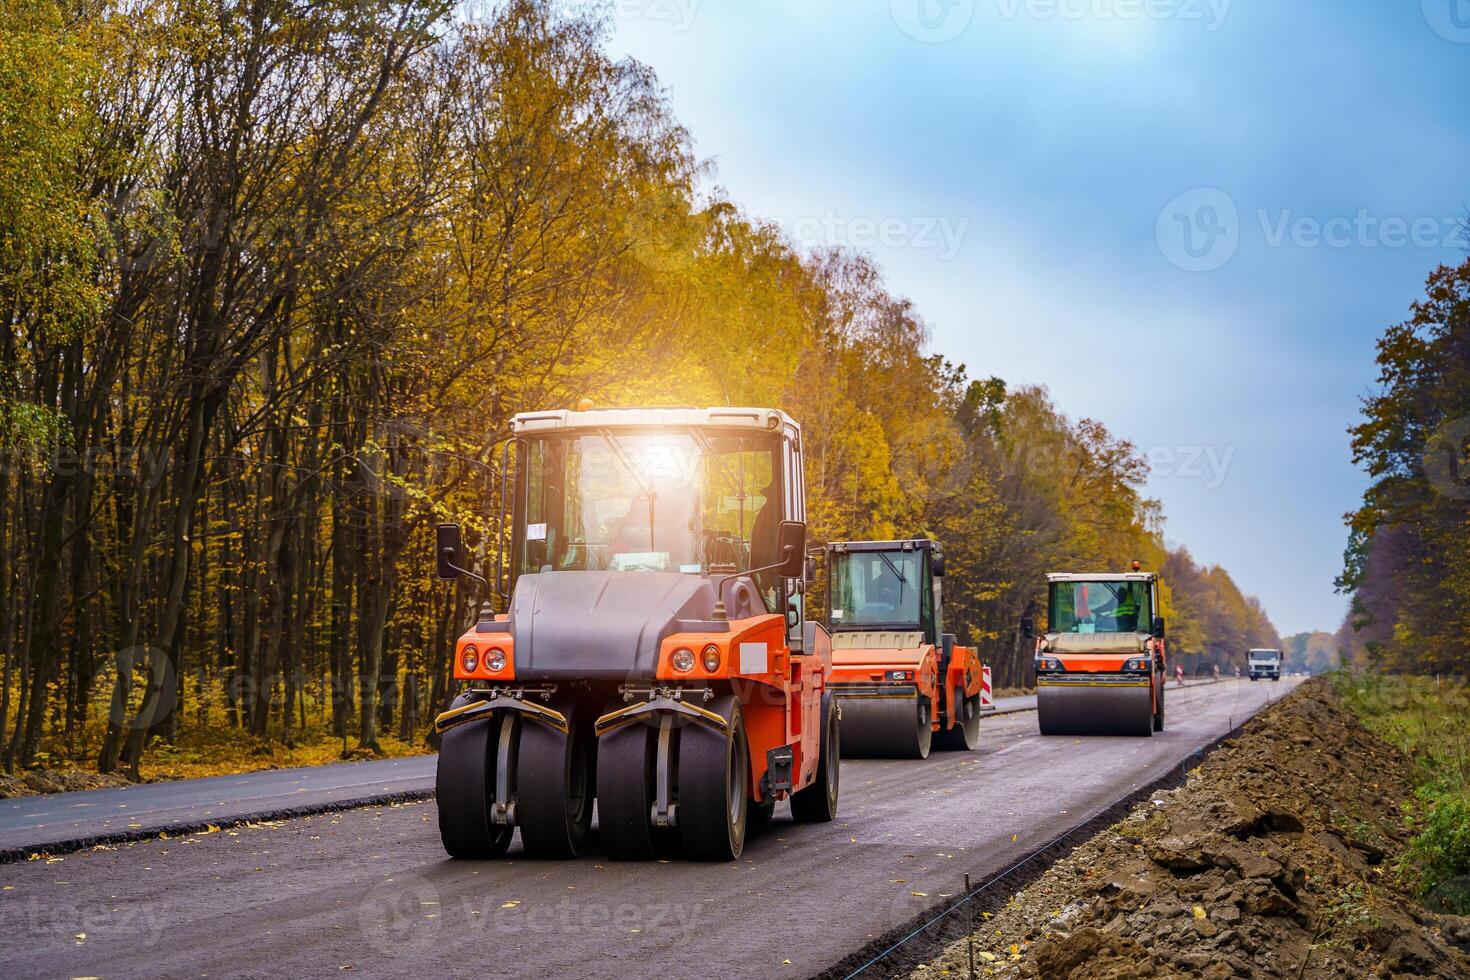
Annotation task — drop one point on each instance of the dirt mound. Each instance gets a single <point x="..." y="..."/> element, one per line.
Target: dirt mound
<point x="36" y="782"/>
<point x="1271" y="861"/>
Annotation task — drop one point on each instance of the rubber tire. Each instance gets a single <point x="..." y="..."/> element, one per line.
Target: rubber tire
<point x="555" y="787"/>
<point x="818" y="802"/>
<point x="1159" y="715"/>
<point x="464" y="788"/>
<point x="625" y="764"/>
<point x="714" y="786"/>
<point x="966" y="735"/>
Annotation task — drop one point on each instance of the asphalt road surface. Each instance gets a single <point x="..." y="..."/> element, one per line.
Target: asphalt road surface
<point x="370" y="890"/>
<point x="65" y="821"/>
<point x="60" y="820"/>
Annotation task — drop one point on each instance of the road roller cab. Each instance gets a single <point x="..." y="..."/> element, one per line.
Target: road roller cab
<point x="1100" y="664"/>
<point x="654" y="656"/>
<point x="902" y="681"/>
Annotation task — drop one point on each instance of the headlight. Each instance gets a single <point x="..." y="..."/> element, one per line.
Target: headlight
<point x="1048" y="663"/>
<point x="683" y="660"/>
<point x="1137" y="664"/>
<point x="470" y="659"/>
<point x="711" y="658"/>
<point x="495" y="660"/>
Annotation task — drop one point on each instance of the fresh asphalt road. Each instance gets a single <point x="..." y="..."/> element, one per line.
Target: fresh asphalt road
<point x="65" y="821"/>
<point x="370" y="890"/>
<point x="59" y="821"/>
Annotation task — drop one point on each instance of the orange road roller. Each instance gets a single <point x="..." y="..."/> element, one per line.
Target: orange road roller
<point x="901" y="681"/>
<point x="1100" y="665"/>
<point x="654" y="661"/>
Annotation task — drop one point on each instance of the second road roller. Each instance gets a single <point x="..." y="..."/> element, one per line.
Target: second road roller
<point x="1100" y="665"/>
<point x="903" y="683"/>
<point x="655" y="658"/>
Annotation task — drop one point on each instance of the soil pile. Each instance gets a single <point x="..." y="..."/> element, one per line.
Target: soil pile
<point x="37" y="782"/>
<point x="1271" y="861"/>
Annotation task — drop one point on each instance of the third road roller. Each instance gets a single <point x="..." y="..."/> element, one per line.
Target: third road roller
<point x="1100" y="664"/>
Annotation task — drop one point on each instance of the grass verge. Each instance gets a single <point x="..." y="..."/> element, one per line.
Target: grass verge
<point x="1429" y="720"/>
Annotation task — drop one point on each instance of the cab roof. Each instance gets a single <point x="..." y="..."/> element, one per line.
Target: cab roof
<point x="908" y="544"/>
<point x="564" y="419"/>
<point x="1102" y="576"/>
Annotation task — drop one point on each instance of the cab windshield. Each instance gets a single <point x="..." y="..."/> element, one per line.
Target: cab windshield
<point x="877" y="589"/>
<point x="688" y="501"/>
<point x="1100" y="607"/>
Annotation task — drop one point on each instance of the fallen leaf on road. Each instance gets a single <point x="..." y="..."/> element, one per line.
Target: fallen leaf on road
<point x="511" y="904"/>
<point x="919" y="894"/>
<point x="1199" y="912"/>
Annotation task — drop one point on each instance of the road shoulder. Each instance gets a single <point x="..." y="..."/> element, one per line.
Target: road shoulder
<point x="1271" y="860"/>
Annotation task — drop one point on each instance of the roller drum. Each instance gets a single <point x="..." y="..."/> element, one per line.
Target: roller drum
<point x="885" y="728"/>
<point x="1095" y="710"/>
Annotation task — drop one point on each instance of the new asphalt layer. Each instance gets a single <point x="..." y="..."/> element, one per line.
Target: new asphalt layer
<point x="368" y="889"/>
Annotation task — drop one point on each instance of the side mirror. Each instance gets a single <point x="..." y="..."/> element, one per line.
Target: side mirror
<point x="936" y="566"/>
<point x="1158" y="625"/>
<point x="811" y="569"/>
<point x="791" y="546"/>
<point x="447" y="550"/>
<point x="793" y="617"/>
<point x="1028" y="628"/>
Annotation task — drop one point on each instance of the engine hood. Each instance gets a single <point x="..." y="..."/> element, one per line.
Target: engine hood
<point x="1084" y="643"/>
<point x="605" y="625"/>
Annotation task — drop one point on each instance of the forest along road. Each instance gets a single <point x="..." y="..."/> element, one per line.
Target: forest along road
<point x="64" y="822"/>
<point x="371" y="889"/>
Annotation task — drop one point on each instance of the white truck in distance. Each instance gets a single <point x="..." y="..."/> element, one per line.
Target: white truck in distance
<point x="1265" y="663"/>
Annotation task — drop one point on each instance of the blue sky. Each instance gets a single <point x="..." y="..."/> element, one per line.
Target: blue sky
<point x="1190" y="219"/>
